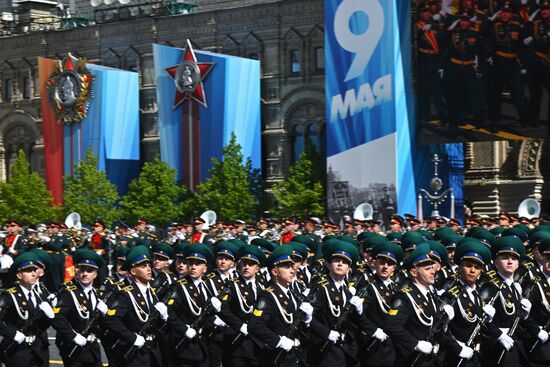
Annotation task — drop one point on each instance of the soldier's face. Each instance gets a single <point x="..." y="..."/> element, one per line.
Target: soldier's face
<point x="545" y="13"/>
<point x="224" y="263"/>
<point x="142" y="272"/>
<point x="505" y="16"/>
<point x="119" y="271"/>
<point x="12" y="228"/>
<point x="437" y="266"/>
<point x="424" y="15"/>
<point x="338" y="267"/>
<point x="40" y="272"/>
<point x="384" y="267"/>
<point x="425" y="275"/>
<point x="86" y="275"/>
<point x="249" y="269"/>
<point x="507" y="264"/>
<point x="284" y="274"/>
<point x="160" y="263"/>
<point x="450" y="257"/>
<point x="537" y="255"/>
<point x="181" y="266"/>
<point x="27" y="277"/>
<point x="469" y="272"/>
<point x="140" y="227"/>
<point x="546" y="265"/>
<point x="196" y="268"/>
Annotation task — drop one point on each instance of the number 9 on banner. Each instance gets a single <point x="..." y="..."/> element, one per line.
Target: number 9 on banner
<point x="363" y="44"/>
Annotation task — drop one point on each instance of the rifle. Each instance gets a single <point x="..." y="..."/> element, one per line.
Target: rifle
<point x="545" y="328"/>
<point x="93" y="321"/>
<point x="295" y="327"/>
<point x="454" y="291"/>
<point x="347" y="311"/>
<point x="201" y="319"/>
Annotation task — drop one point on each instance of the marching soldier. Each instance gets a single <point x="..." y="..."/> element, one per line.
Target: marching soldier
<point x="190" y="309"/>
<point x="333" y="342"/>
<point x="162" y="276"/>
<point x="24" y="318"/>
<point x="118" y="274"/>
<point x="180" y="263"/>
<point x="380" y="350"/>
<point x="123" y="239"/>
<point x="299" y="256"/>
<point x="503" y="347"/>
<point x="415" y="312"/>
<point x="276" y="315"/>
<point x="132" y="318"/>
<point x="76" y="307"/>
<point x="15" y="242"/>
<point x="538" y="40"/>
<point x="471" y="256"/>
<point x="55" y="247"/>
<point x="143" y="238"/>
<point x="239" y="349"/>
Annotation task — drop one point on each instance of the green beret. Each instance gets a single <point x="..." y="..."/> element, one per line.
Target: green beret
<point x="508" y="245"/>
<point x="281" y="255"/>
<point x="342" y="249"/>
<point x="162" y="249"/>
<point x="26" y="260"/>
<point x="474" y="250"/>
<point x="388" y="250"/>
<point x="420" y="256"/>
<point x="411" y="239"/>
<point x="426" y="234"/>
<point x="263" y="244"/>
<point x="180" y="248"/>
<point x="535" y="238"/>
<point x="515" y="231"/>
<point x="228" y="249"/>
<point x="199" y="251"/>
<point x="122" y="252"/>
<point x="438" y="252"/>
<point x="308" y="241"/>
<point x="524" y="227"/>
<point x="44" y="258"/>
<point x="252" y="253"/>
<point x="88" y="258"/>
<point x="136" y="256"/>
<point x="299" y="249"/>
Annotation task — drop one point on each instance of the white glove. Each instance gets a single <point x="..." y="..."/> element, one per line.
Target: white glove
<point x="216" y="303"/>
<point x="453" y="26"/>
<point x="490" y="61"/>
<point x="219" y="322"/>
<point x="190" y="333"/>
<point x="448" y="309"/>
<point x="436" y="17"/>
<point x="140" y="341"/>
<point x="526" y="307"/>
<point x="427" y="27"/>
<point x="528" y="40"/>
<point x="307" y="309"/>
<point x="162" y="309"/>
<point x="333" y="336"/>
<point x="80" y="340"/>
<point x="424" y="347"/>
<point x="380" y="335"/>
<point x="494" y="16"/>
<point x="466" y="352"/>
<point x="473" y="19"/>
<point x="102" y="307"/>
<point x="47" y="309"/>
<point x="489" y="311"/>
<point x="506" y="341"/>
<point x="285" y="343"/>
<point x="523" y="71"/>
<point x="441" y="73"/>
<point x="352" y="290"/>
<point x="11" y="250"/>
<point x="357" y="303"/>
<point x="244" y="329"/>
<point x="306" y="291"/>
<point x="19" y="337"/>
<point x="52" y="299"/>
<point x="543" y="336"/>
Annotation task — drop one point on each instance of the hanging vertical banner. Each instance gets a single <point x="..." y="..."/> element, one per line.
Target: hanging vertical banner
<point x="202" y="99"/>
<point x="87" y="106"/>
<point x="367" y="115"/>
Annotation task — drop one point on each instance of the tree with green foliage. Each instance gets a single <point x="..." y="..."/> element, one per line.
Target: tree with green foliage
<point x="26" y="196"/>
<point x="227" y="189"/>
<point x="90" y="193"/>
<point x="257" y="189"/>
<point x="303" y="193"/>
<point x="156" y="195"/>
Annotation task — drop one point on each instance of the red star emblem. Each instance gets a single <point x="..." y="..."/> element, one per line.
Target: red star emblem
<point x="188" y="77"/>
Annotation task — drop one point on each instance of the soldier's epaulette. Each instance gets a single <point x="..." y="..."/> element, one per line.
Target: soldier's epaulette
<point x="235" y="280"/>
<point x="120" y="283"/>
<point x="70" y="286"/>
<point x="211" y="276"/>
<point x="406" y="289"/>
<point x="11" y="290"/>
<point x="128" y="288"/>
<point x="269" y="289"/>
<point x="182" y="281"/>
<point x="167" y="271"/>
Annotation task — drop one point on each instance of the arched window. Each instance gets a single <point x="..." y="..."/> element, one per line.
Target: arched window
<point x="307" y="122"/>
<point x="295" y="62"/>
<point x="319" y="59"/>
<point x="299" y="139"/>
<point x="8" y="90"/>
<point x="26" y="88"/>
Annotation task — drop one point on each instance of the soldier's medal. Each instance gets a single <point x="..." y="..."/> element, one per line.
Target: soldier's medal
<point x="24" y="303"/>
<point x="337" y="298"/>
<point x="386" y="294"/>
<point x="142" y="303"/>
<point x="285" y="302"/>
<point x="509" y="304"/>
<point x="246" y="293"/>
<point x="70" y="90"/>
<point x="464" y="295"/>
<point x="84" y="301"/>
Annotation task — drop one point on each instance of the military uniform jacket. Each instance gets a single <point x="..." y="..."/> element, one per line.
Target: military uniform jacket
<point x="143" y="238"/>
<point x="188" y="303"/>
<point x="237" y="307"/>
<point x="376" y="306"/>
<point x="15" y="314"/>
<point x="505" y="40"/>
<point x="409" y="321"/>
<point x="273" y="316"/>
<point x="72" y="314"/>
<point x="125" y="318"/>
<point x="17" y="242"/>
<point x="464" y="46"/>
<point x="538" y="318"/>
<point x="216" y="286"/>
<point x="57" y="244"/>
<point x="161" y="283"/>
<point x="124" y="241"/>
